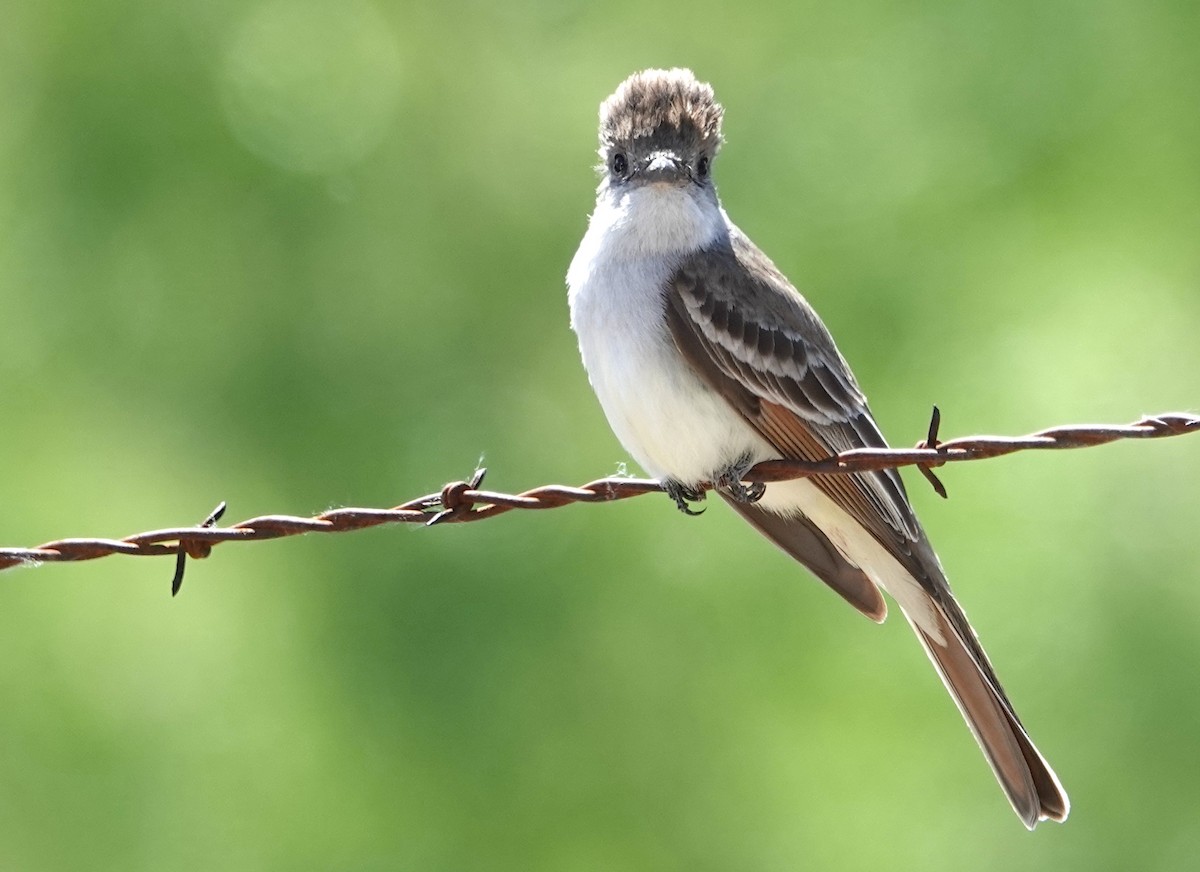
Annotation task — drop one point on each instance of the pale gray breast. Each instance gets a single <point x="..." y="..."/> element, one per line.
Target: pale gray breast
<point x="664" y="415"/>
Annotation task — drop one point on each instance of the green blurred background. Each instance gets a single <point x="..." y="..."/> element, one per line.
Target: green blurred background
<point x="303" y="255"/>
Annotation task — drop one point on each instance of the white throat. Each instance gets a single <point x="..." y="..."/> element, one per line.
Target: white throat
<point x="651" y="220"/>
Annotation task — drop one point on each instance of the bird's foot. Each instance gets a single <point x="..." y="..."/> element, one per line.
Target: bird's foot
<point x="730" y="482"/>
<point x="683" y="496"/>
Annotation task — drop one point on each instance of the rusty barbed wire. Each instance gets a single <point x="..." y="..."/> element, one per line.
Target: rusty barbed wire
<point x="464" y="501"/>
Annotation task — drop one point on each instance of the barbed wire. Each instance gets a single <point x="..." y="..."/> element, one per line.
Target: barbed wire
<point x="464" y="501"/>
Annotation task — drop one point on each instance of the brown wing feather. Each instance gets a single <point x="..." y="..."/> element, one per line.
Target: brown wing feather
<point x="805" y="542"/>
<point x="789" y="381"/>
<point x="798" y="537"/>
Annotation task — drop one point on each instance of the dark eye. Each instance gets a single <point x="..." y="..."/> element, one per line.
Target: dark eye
<point x="702" y="167"/>
<point x="618" y="163"/>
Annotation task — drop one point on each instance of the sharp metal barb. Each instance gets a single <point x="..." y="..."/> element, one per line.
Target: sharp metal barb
<point x="180" y="565"/>
<point x="931" y="442"/>
<point x="935" y="423"/>
<point x="192" y="548"/>
<point x="463" y="501"/>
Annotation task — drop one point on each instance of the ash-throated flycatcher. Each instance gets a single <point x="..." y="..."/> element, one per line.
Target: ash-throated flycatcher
<point x="706" y="361"/>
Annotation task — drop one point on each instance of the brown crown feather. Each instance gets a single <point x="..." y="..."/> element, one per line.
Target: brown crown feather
<point x="662" y="106"/>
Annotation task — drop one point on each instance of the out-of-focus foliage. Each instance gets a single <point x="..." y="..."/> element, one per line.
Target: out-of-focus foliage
<point x="302" y="254"/>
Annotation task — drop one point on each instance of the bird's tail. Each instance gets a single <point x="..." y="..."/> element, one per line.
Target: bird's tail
<point x="1027" y="779"/>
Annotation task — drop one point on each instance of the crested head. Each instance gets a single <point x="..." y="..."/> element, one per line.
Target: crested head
<point x="659" y="134"/>
<point x="661" y="109"/>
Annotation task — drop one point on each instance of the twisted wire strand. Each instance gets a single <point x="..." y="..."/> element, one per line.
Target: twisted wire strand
<point x="465" y="501"/>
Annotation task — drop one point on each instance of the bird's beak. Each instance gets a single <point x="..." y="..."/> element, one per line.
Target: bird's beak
<point x="663" y="166"/>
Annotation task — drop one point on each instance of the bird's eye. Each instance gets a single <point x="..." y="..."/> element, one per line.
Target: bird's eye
<point x="702" y="167"/>
<point x="618" y="163"/>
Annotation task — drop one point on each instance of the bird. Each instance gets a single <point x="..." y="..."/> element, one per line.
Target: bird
<point x="706" y="360"/>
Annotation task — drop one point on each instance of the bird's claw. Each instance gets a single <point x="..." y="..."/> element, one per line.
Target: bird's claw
<point x="730" y="482"/>
<point x="683" y="496"/>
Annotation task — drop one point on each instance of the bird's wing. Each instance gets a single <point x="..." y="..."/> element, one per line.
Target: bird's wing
<point x="751" y="336"/>
<point x="805" y="541"/>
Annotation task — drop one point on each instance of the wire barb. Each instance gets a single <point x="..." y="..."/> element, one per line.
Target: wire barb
<point x="454" y="500"/>
<point x="463" y="501"/>
<point x="932" y="441"/>
<point x="192" y="548"/>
